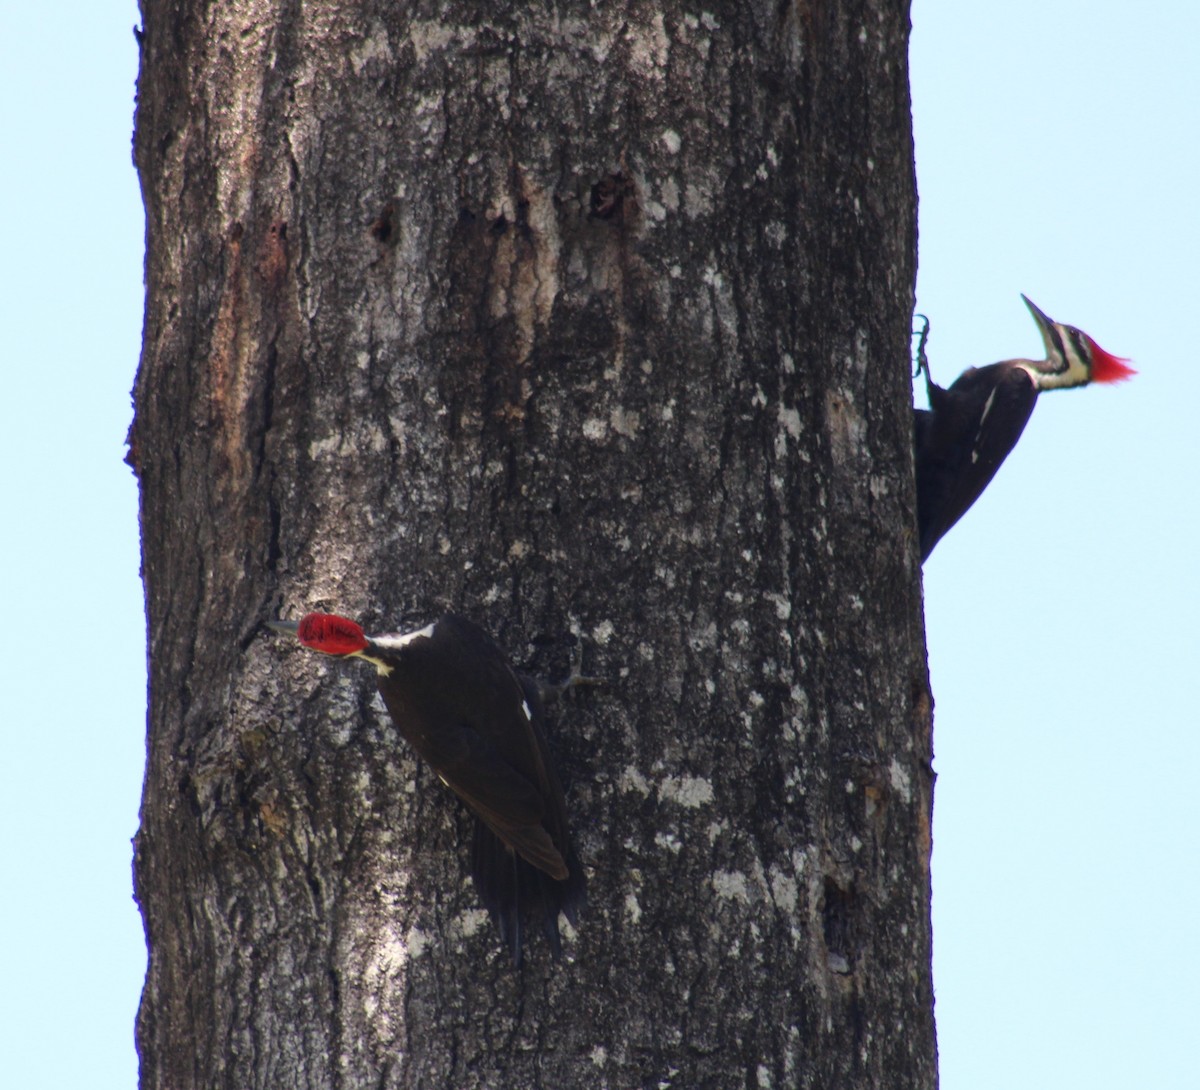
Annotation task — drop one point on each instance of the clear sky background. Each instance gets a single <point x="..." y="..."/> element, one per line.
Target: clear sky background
<point x="1056" y="155"/>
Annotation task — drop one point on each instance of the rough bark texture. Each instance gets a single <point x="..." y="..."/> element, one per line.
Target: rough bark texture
<point x="590" y="322"/>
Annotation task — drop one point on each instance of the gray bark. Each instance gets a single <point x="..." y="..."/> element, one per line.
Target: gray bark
<point x="589" y="322"/>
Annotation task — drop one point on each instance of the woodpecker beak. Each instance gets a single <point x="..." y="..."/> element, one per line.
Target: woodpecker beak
<point x="1043" y="320"/>
<point x="289" y="628"/>
<point x="1049" y="330"/>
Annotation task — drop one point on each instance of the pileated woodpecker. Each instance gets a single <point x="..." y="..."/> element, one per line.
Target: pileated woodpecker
<point x="969" y="428"/>
<point x="451" y="693"/>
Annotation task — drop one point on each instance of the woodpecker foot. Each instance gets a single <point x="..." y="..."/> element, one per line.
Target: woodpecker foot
<point x="552" y="691"/>
<point x="922" y="359"/>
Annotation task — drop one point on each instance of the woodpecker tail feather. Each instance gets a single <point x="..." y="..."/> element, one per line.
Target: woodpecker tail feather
<point x="516" y="894"/>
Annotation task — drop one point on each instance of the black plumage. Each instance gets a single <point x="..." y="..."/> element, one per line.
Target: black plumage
<point x="963" y="438"/>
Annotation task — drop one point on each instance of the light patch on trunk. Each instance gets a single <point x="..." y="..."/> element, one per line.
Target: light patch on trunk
<point x="632" y="780"/>
<point x="594" y="428"/>
<point x="649" y="47"/>
<point x="318" y="448"/>
<point x="428" y="36"/>
<point x="391" y="954"/>
<point x="624" y="423"/>
<point x="789" y="420"/>
<point x="374" y="48"/>
<point x="731" y="885"/>
<point x="784" y="890"/>
<point x="668" y="842"/>
<point x="783" y="604"/>
<point x="847" y="430"/>
<point x="470" y="922"/>
<point x="690" y="791"/>
<point x="417" y="942"/>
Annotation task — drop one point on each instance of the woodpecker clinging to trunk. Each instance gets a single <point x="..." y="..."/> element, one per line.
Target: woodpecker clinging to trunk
<point x="452" y="694"/>
<point x="970" y="427"/>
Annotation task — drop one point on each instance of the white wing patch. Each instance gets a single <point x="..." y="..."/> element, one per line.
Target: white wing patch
<point x="987" y="405"/>
<point x="987" y="408"/>
<point x="525" y="709"/>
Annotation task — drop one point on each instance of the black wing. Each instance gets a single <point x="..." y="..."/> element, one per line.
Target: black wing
<point x="514" y="891"/>
<point x="962" y="442"/>
<point x="509" y="801"/>
<point x="457" y="700"/>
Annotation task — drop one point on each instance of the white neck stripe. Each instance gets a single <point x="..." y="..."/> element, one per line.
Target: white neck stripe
<point x="394" y="641"/>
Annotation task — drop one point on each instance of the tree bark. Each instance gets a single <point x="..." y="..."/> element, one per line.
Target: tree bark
<point x="589" y="322"/>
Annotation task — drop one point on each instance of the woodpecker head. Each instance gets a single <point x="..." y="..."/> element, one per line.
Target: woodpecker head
<point x="1072" y="357"/>
<point x="327" y="633"/>
<point x="344" y="638"/>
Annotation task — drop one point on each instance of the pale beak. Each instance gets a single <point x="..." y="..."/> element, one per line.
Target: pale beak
<point x="1038" y="316"/>
<point x="289" y="628"/>
<point x="1045" y="324"/>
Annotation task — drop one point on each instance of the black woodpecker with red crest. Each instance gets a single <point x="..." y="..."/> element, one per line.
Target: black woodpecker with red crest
<point x="969" y="428"/>
<point x="453" y="696"/>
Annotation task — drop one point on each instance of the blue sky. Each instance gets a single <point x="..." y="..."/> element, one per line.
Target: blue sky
<point x="1056" y="155"/>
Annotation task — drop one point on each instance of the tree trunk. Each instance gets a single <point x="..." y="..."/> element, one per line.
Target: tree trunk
<point x="589" y="322"/>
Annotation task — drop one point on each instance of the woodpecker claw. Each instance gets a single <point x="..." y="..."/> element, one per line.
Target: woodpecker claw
<point x="922" y="359"/>
<point x="555" y="690"/>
